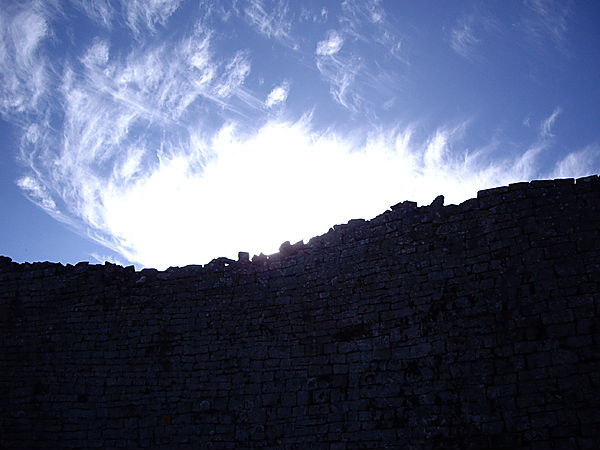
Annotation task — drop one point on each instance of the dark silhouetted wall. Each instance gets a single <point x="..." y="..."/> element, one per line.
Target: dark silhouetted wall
<point x="469" y="326"/>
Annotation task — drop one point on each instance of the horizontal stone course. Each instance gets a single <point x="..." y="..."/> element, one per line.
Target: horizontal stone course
<point x="455" y="327"/>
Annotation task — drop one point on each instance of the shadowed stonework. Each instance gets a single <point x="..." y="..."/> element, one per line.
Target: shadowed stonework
<point x="469" y="326"/>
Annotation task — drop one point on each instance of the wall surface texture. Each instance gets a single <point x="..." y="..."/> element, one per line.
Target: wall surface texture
<point x="455" y="327"/>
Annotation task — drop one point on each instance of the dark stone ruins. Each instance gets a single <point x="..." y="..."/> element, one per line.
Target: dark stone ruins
<point x="439" y="327"/>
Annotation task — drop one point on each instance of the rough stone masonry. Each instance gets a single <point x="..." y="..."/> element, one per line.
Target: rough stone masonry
<point x="455" y="327"/>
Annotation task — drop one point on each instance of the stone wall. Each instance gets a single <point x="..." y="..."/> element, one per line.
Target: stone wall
<point x="469" y="326"/>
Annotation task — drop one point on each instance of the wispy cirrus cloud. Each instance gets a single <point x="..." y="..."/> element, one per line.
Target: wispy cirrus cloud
<point x="367" y="21"/>
<point x="578" y="163"/>
<point x="344" y="56"/>
<point x="278" y="95"/>
<point x="315" y="16"/>
<point x="146" y="14"/>
<point x="164" y="80"/>
<point x="356" y="14"/>
<point x="38" y="193"/>
<point x="339" y="70"/>
<point x="547" y="20"/>
<point x="330" y="45"/>
<point x="548" y="123"/>
<point x="101" y="11"/>
<point x="271" y="19"/>
<point x="23" y="70"/>
<point x="138" y="15"/>
<point x="236" y="72"/>
<point x="341" y="73"/>
<point x="463" y="38"/>
<point x="114" y="110"/>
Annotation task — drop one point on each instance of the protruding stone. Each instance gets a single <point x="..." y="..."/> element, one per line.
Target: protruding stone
<point x="404" y="206"/>
<point x="259" y="258"/>
<point x="5" y="260"/>
<point x="220" y="262"/>
<point x="285" y="247"/>
<point x="438" y="202"/>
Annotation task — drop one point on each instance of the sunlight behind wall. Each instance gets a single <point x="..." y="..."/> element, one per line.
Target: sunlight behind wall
<point x="285" y="182"/>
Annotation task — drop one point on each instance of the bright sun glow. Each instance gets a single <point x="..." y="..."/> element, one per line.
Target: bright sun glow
<point x="282" y="183"/>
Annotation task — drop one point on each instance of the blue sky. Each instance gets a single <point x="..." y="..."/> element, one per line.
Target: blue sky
<point x="168" y="132"/>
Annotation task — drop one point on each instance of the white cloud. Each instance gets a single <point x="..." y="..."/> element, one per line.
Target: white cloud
<point x="353" y="73"/>
<point x="270" y="19"/>
<point x="162" y="82"/>
<point x="366" y="20"/>
<point x="462" y="37"/>
<point x="101" y="11"/>
<point x="547" y="19"/>
<point x="277" y="95"/>
<point x="331" y="45"/>
<point x="235" y="74"/>
<point x="357" y="12"/>
<point x="23" y="74"/>
<point x="548" y="123"/>
<point x="107" y="106"/>
<point x="578" y="164"/>
<point x="341" y="73"/>
<point x="141" y="15"/>
<point x="97" y="55"/>
<point x="37" y="193"/>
